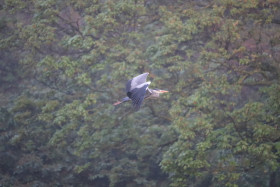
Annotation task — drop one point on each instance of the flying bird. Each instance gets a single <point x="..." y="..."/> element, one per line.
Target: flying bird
<point x="137" y="89"/>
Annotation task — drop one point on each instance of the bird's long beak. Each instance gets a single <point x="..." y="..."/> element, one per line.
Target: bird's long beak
<point x="163" y="91"/>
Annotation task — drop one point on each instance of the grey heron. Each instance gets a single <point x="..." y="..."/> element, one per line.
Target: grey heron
<point x="137" y="90"/>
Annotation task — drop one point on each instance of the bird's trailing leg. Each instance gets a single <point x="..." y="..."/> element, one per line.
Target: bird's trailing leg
<point x="116" y="103"/>
<point x="123" y="100"/>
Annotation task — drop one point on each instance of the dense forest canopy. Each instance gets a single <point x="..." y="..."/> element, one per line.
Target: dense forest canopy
<point x="63" y="64"/>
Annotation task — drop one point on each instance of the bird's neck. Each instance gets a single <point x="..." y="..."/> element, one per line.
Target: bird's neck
<point x="152" y="94"/>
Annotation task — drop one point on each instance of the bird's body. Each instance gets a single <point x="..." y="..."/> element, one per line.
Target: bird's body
<point x="137" y="90"/>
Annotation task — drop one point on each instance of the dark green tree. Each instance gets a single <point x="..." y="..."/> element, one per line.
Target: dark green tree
<point x="65" y="62"/>
<point x="78" y="55"/>
<point x="227" y="77"/>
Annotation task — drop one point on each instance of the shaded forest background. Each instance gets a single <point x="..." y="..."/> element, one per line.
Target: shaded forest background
<point x="63" y="64"/>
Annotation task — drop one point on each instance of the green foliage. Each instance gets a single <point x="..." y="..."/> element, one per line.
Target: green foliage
<point x="221" y="127"/>
<point x="65" y="62"/>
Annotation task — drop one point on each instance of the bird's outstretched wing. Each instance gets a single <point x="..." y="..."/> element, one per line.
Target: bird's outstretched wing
<point x="137" y="95"/>
<point x="136" y="81"/>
